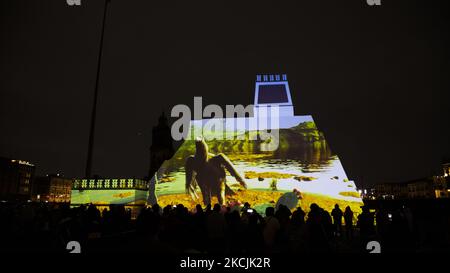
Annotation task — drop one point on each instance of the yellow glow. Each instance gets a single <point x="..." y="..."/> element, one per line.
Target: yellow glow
<point x="22" y="162"/>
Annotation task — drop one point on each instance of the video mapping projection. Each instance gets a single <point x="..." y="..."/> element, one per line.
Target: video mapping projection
<point x="302" y="161"/>
<point x="109" y="191"/>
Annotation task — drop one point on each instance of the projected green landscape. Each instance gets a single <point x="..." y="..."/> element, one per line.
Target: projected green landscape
<point x="302" y="161"/>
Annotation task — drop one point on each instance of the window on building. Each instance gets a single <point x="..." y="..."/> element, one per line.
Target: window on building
<point x="122" y="183"/>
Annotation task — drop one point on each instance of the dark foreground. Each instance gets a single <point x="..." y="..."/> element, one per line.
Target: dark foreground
<point x="399" y="226"/>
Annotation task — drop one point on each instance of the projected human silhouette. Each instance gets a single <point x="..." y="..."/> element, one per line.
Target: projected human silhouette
<point x="208" y="172"/>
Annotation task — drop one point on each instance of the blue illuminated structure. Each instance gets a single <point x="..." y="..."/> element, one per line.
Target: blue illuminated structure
<point x="273" y="90"/>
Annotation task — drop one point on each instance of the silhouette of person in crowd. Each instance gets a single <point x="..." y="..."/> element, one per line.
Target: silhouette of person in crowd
<point x="271" y="229"/>
<point x="366" y="224"/>
<point x="337" y="218"/>
<point x="348" y="218"/>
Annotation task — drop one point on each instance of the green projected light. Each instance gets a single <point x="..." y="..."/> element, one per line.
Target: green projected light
<point x="126" y="191"/>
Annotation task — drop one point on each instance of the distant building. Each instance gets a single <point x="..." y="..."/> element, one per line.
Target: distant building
<point x="391" y="191"/>
<point x="421" y="189"/>
<point x="52" y="188"/>
<point x="16" y="177"/>
<point x="442" y="182"/>
<point x="446" y="169"/>
<point x="162" y="146"/>
<point x="424" y="188"/>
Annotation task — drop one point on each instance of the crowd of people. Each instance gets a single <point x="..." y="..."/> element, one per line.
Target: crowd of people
<point x="214" y="229"/>
<point x="239" y="230"/>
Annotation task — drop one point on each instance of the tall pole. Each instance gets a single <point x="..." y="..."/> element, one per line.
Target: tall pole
<point x="94" y="106"/>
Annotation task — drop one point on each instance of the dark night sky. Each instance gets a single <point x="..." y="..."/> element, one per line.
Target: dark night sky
<point x="375" y="79"/>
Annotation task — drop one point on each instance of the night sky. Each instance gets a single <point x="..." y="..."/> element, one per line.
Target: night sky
<point x="375" y="79"/>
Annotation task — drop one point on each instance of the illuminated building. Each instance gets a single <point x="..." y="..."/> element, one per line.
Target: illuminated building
<point x="273" y="90"/>
<point x="16" y="177"/>
<point x="392" y="191"/>
<point x="275" y="151"/>
<point x="423" y="188"/>
<point x="52" y="188"/>
<point x="442" y="182"/>
<point x="446" y="169"/>
<point x="130" y="192"/>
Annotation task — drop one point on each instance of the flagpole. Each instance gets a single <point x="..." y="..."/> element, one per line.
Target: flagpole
<point x="94" y="106"/>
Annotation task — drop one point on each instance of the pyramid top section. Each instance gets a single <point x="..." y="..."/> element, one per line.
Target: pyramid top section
<point x="273" y="90"/>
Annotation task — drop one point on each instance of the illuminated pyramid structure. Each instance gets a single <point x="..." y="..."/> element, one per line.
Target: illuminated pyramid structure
<point x="297" y="158"/>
